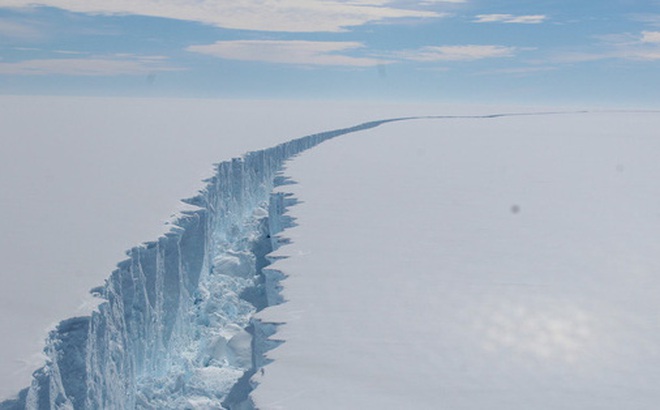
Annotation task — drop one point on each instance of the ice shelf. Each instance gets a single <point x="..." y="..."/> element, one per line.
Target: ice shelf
<point x="175" y="330"/>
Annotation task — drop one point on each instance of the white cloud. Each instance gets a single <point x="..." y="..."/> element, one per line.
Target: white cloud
<point x="26" y="49"/>
<point x="510" y="18"/>
<point x="457" y="53"/>
<point x="325" y="53"/>
<point x="264" y="15"/>
<point x="93" y="66"/>
<point x="650" y="36"/>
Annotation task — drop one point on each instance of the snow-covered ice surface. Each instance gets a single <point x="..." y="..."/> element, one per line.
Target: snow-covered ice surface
<point x="82" y="179"/>
<point x="504" y="263"/>
<point x="173" y="330"/>
<point x="403" y="283"/>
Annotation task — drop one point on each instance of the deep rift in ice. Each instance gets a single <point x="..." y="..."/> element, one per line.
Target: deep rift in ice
<point x="175" y="330"/>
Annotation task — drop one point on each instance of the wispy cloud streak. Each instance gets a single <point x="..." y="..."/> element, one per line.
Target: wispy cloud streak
<point x="457" y="53"/>
<point x="91" y="67"/>
<point x="263" y="15"/>
<point x="510" y="18"/>
<point x="311" y="53"/>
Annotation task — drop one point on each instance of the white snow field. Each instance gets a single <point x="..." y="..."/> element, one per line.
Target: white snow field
<point x="503" y="263"/>
<point x="84" y="179"/>
<point x="460" y="263"/>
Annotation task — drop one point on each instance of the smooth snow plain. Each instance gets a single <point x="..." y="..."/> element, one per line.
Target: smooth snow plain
<point x="504" y="263"/>
<point x="83" y="179"/>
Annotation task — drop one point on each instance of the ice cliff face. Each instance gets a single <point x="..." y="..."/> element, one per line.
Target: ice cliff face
<point x="175" y="328"/>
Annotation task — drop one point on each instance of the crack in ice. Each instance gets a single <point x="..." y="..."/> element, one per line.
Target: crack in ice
<point x="175" y="330"/>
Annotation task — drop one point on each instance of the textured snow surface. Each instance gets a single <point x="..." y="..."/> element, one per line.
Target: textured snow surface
<point x="507" y="263"/>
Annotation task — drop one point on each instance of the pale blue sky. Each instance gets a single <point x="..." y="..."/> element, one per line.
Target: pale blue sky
<point x="562" y="51"/>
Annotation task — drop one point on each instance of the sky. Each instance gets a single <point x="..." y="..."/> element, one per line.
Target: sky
<point x="562" y="51"/>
